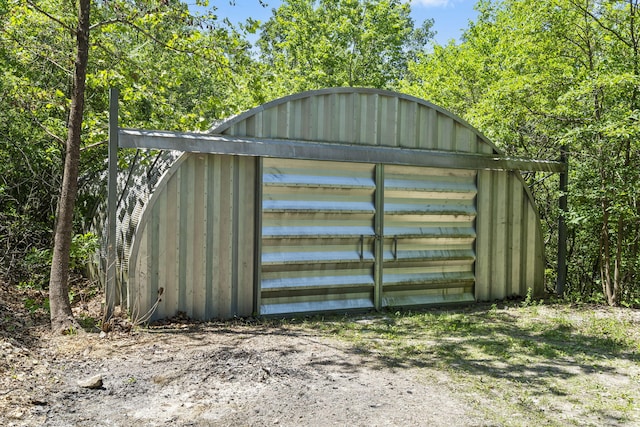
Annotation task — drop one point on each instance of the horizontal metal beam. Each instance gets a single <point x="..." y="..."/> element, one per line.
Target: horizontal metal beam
<point x="312" y="150"/>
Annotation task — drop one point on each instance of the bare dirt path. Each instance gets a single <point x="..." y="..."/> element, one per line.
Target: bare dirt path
<point x="520" y="364"/>
<point x="198" y="375"/>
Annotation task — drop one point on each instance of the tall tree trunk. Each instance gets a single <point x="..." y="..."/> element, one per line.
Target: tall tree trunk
<point x="605" y="257"/>
<point x="608" y="280"/>
<point x="61" y="315"/>
<point x="617" y="270"/>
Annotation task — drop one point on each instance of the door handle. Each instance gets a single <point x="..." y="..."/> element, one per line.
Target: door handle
<point x="395" y="248"/>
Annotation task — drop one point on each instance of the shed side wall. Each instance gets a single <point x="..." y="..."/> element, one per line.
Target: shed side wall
<point x="509" y="247"/>
<point x="196" y="241"/>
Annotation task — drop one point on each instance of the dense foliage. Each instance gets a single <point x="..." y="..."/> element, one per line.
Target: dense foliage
<point x="534" y="76"/>
<point x="176" y="70"/>
<point x="538" y="75"/>
<point x="310" y="44"/>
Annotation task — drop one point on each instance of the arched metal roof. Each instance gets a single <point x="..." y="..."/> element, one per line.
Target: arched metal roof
<point x="364" y="116"/>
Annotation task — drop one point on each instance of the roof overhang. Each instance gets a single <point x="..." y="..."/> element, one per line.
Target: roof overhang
<point x="313" y="150"/>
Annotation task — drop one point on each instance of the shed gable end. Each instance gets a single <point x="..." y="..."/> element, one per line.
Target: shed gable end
<point x="358" y="116"/>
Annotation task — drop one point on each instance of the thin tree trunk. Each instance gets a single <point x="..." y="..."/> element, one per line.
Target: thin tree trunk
<point x="607" y="278"/>
<point x="617" y="270"/>
<point x="61" y="315"/>
<point x="605" y="259"/>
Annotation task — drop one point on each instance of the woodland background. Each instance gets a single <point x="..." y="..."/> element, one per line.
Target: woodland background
<point x="532" y="75"/>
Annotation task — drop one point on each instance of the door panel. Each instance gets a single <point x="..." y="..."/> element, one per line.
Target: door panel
<point x="317" y="236"/>
<point x="429" y="235"/>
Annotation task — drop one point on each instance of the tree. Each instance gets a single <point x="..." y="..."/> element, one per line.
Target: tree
<point x="608" y="146"/>
<point x="28" y="162"/>
<point x="311" y="44"/>
<point x="61" y="314"/>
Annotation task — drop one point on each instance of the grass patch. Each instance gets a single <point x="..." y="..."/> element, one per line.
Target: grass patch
<point x="526" y="364"/>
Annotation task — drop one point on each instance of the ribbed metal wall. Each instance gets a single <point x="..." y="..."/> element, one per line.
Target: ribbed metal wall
<point x="429" y="235"/>
<point x="135" y="187"/>
<point x="510" y="250"/>
<point x="317" y="236"/>
<point x="426" y="237"/>
<point x="196" y="241"/>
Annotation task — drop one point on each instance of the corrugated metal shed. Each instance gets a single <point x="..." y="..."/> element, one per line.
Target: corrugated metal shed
<point x="335" y="199"/>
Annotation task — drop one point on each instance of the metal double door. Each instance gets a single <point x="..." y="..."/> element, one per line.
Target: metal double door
<point x="348" y="236"/>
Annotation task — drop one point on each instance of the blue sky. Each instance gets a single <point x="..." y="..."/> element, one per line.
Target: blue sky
<point x="451" y="16"/>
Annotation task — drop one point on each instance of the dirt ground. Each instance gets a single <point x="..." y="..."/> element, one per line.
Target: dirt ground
<point x="220" y="374"/>
<point x="520" y="364"/>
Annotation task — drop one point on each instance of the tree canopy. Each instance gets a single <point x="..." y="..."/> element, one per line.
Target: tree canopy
<point x="309" y="44"/>
<point x="536" y="76"/>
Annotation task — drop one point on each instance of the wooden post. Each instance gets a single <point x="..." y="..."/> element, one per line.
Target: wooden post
<point x="110" y="287"/>
<point x="562" y="226"/>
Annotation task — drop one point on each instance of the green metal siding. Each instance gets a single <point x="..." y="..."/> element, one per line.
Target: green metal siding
<point x="357" y="116"/>
<point x="510" y="251"/>
<point x="196" y="241"/>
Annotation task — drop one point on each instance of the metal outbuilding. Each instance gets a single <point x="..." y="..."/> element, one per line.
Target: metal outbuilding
<point x="336" y="199"/>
